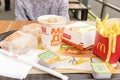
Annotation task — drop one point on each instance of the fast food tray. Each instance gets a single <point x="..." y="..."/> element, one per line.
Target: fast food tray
<point x="33" y="71"/>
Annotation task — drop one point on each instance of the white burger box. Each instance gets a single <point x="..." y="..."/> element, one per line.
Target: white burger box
<point x="79" y="34"/>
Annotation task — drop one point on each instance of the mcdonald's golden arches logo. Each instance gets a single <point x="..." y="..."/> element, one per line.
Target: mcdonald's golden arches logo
<point x="101" y="46"/>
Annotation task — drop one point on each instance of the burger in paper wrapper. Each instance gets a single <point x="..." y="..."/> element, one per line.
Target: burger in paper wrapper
<point x="19" y="42"/>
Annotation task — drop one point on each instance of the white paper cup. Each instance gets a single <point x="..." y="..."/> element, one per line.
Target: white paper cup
<point x="51" y="31"/>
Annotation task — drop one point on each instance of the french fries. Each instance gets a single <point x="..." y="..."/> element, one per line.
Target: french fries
<point x="109" y="31"/>
<point x="109" y="48"/>
<point x="114" y="42"/>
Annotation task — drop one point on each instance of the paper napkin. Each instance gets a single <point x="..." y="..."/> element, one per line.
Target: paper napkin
<point x="13" y="68"/>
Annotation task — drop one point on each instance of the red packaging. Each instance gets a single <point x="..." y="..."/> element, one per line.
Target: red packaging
<point x="101" y="48"/>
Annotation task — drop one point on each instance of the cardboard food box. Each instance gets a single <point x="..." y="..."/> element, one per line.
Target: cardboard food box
<point x="79" y="34"/>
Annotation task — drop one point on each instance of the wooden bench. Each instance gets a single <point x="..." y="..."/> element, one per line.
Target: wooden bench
<point x="74" y="1"/>
<point x="75" y="8"/>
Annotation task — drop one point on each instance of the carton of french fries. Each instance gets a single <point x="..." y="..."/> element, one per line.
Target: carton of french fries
<point x="107" y="40"/>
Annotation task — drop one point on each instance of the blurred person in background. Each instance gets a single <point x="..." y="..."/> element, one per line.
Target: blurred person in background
<point x="0" y="2"/>
<point x="7" y="5"/>
<point x="0" y="5"/>
<point x="32" y="9"/>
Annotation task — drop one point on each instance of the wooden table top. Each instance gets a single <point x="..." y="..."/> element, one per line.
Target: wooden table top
<point x="12" y="25"/>
<point x="7" y="25"/>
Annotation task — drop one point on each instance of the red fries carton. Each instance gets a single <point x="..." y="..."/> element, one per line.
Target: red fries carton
<point x="107" y="41"/>
<point x="101" y="48"/>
